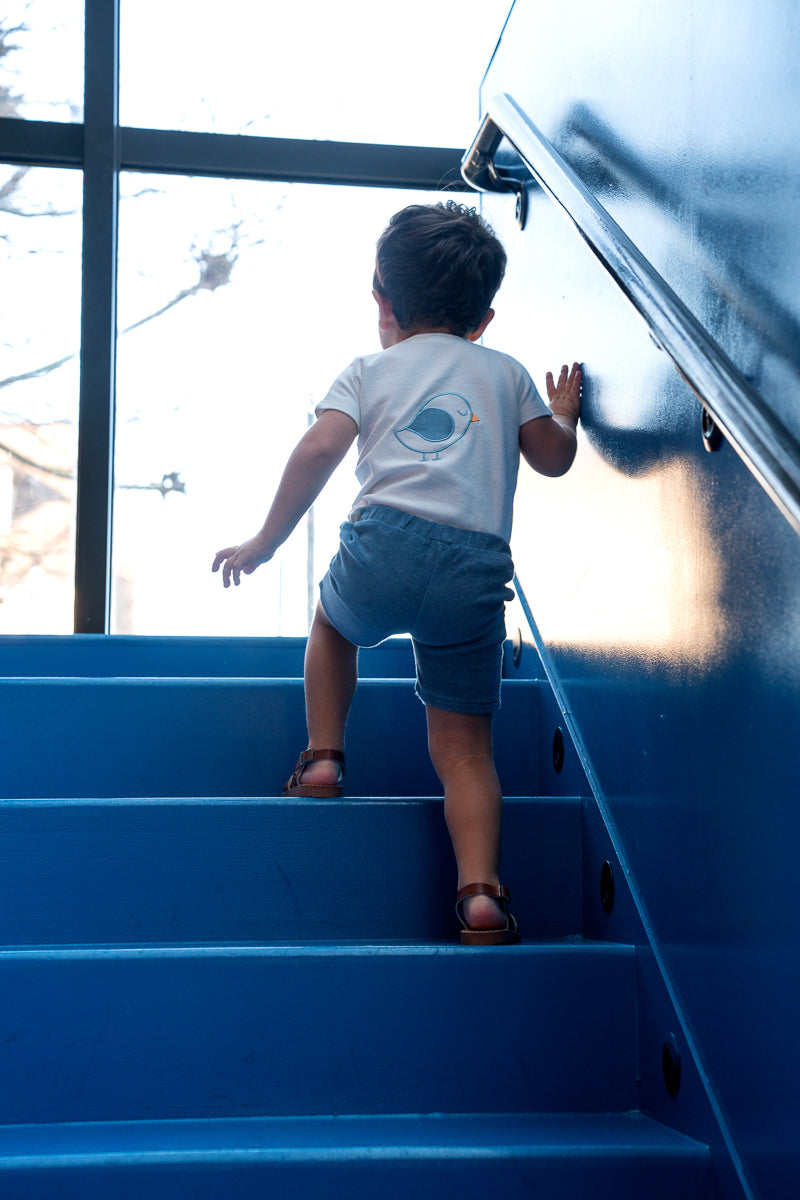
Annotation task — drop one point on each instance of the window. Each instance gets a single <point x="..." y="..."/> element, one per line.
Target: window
<point x="355" y="71"/>
<point x="41" y="60"/>
<point x="208" y="261"/>
<point x="242" y="309"/>
<point x="40" y="226"/>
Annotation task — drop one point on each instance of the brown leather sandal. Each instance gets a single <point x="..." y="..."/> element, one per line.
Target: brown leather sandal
<point x="296" y="787"/>
<point x="507" y="936"/>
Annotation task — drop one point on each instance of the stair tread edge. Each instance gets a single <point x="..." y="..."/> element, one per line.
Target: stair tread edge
<point x="497" y="1134"/>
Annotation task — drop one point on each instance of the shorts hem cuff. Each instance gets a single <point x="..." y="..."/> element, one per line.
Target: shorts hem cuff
<point x="467" y="707"/>
<point x="338" y="617"/>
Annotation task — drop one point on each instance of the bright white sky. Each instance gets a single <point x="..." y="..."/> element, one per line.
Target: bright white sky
<point x="218" y="388"/>
<point x="354" y="70"/>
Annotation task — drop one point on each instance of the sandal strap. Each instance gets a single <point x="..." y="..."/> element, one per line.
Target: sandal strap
<point x="497" y="891"/>
<point x="314" y="755"/>
<point x="309" y="756"/>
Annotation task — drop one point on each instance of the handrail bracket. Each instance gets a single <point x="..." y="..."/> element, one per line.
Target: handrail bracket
<point x="481" y="171"/>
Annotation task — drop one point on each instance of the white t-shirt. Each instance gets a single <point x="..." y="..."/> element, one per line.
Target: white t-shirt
<point x="438" y="423"/>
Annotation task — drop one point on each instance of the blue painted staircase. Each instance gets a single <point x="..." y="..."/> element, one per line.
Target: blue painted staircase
<point x="208" y="992"/>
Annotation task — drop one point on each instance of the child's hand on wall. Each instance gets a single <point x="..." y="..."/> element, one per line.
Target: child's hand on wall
<point x="565" y="396"/>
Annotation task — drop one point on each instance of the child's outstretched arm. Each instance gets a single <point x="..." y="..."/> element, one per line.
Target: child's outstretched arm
<point x="310" y="466"/>
<point x="549" y="446"/>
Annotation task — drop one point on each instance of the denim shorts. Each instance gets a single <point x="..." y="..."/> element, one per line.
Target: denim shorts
<point x="446" y="587"/>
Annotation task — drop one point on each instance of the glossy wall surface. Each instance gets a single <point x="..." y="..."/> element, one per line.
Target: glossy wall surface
<point x="664" y="584"/>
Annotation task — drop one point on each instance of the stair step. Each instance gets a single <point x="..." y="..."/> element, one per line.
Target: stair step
<point x="90" y="654"/>
<point x="238" y="737"/>
<point x="607" y="1157"/>
<point x="123" y="1033"/>
<point x="88" y="871"/>
<point x="209" y="992"/>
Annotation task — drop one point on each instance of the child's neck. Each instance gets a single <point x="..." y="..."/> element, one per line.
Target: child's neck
<point x="402" y="335"/>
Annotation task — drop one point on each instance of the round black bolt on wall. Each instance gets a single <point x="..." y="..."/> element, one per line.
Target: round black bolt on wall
<point x="671" y="1064"/>
<point x="607" y="887"/>
<point x="712" y="434"/>
<point x="558" y="749"/>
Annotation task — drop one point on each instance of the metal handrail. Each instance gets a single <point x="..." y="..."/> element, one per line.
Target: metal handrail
<point x="759" y="437"/>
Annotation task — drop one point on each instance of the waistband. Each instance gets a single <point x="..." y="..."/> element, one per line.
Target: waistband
<point x="395" y="518"/>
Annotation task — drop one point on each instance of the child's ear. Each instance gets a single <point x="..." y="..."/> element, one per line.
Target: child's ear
<point x="389" y="331"/>
<point x="473" y="337"/>
<point x="384" y="308"/>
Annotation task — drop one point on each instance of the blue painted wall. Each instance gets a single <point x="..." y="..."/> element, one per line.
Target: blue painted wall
<point x="664" y="584"/>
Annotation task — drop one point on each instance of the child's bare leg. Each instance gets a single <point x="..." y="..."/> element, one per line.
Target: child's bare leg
<point x="461" y="752"/>
<point x="331" y="673"/>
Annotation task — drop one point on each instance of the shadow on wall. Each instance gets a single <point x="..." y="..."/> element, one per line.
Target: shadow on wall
<point x="638" y="452"/>
<point x="732" y="301"/>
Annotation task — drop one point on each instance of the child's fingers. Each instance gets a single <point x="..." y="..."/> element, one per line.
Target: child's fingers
<point x="231" y="567"/>
<point x="221" y="555"/>
<point x="231" y="570"/>
<point x="552" y="388"/>
<point x="575" y="378"/>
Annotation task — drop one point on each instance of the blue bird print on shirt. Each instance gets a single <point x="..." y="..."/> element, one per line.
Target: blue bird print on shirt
<point x="440" y="423"/>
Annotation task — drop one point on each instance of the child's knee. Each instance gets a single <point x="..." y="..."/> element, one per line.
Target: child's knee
<point x="456" y="739"/>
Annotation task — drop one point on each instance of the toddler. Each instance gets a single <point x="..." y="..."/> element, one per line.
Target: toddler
<point x="441" y="422"/>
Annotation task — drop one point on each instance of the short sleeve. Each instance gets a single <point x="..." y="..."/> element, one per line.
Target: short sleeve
<point x="344" y="393"/>
<point x="531" y="404"/>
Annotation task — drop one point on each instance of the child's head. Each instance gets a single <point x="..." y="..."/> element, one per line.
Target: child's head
<point x="440" y="266"/>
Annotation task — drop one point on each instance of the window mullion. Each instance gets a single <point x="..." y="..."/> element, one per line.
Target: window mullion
<point x="355" y="164"/>
<point x="98" y="323"/>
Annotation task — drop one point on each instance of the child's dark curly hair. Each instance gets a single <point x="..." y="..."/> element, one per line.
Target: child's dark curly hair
<point x="440" y="266"/>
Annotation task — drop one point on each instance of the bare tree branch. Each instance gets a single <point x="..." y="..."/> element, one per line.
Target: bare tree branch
<point x="12" y="186"/>
<point x="29" y="462"/>
<point x="215" y="271"/>
<point x="9" y="100"/>
<point x="37" y="372"/>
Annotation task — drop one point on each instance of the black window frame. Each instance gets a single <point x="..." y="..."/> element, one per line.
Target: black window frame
<point x="101" y="148"/>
